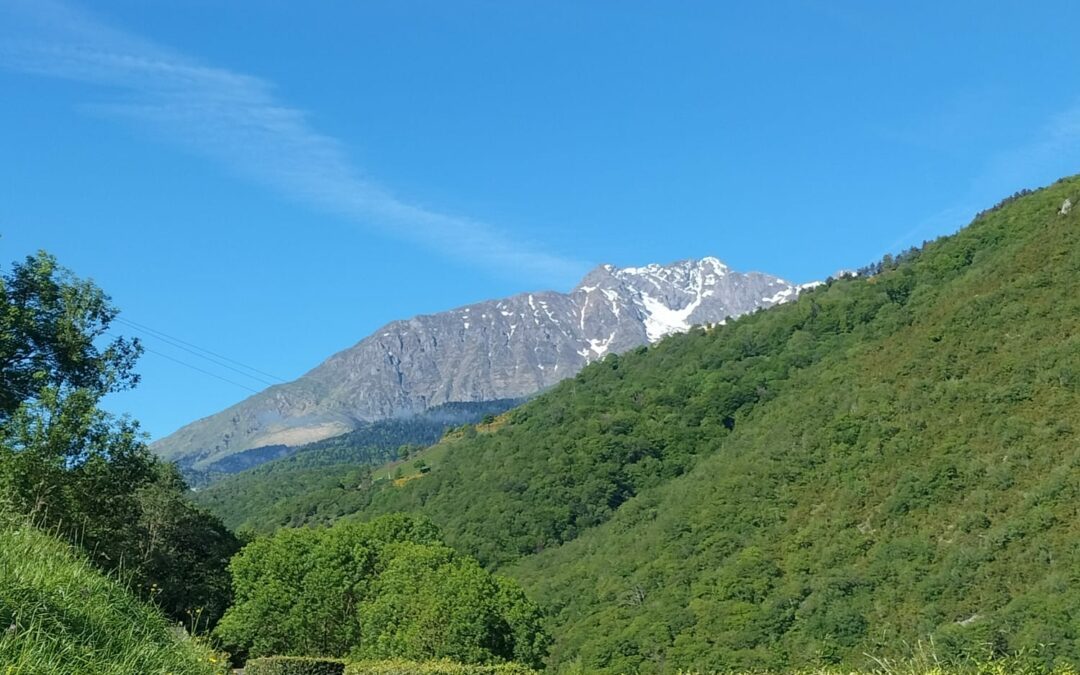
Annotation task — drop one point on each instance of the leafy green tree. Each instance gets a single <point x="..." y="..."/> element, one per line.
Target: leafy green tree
<point x="49" y="322"/>
<point x="381" y="589"/>
<point x="429" y="602"/>
<point x="81" y="472"/>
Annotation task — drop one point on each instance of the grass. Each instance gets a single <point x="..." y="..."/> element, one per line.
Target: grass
<point x="60" y="616"/>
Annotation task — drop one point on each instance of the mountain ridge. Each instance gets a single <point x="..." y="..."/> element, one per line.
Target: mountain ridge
<point x="495" y="349"/>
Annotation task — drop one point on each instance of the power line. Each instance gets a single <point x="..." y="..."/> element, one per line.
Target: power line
<point x="194" y="349"/>
<point x="194" y="367"/>
<point x="162" y="335"/>
<point x="211" y="360"/>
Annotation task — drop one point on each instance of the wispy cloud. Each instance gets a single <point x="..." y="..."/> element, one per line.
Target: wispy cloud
<point x="237" y="120"/>
<point x="948" y="219"/>
<point x="1050" y="153"/>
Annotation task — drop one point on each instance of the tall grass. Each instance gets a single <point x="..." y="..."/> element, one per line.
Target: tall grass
<point x="60" y="616"/>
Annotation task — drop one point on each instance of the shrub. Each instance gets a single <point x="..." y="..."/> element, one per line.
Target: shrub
<point x="293" y="665"/>
<point x="441" y="667"/>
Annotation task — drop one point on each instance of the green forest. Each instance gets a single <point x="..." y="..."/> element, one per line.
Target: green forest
<point x="331" y="477"/>
<point x="881" y="476"/>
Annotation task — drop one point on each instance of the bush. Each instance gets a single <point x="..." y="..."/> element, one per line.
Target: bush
<point x="293" y="665"/>
<point x="442" y="667"/>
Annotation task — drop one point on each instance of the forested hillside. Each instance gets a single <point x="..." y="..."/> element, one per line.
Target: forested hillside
<point x="370" y="443"/>
<point x="890" y="459"/>
<point x="922" y="482"/>
<point x="319" y="482"/>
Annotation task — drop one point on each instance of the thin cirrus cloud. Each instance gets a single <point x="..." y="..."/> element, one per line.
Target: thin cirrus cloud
<point x="1049" y="153"/>
<point x="237" y="120"/>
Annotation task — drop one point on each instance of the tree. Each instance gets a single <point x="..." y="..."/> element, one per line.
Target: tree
<point x="81" y="472"/>
<point x="428" y="602"/>
<point x="52" y="376"/>
<point x="49" y="322"/>
<point x="382" y="589"/>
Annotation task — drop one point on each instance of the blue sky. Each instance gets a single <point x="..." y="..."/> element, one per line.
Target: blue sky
<point x="275" y="180"/>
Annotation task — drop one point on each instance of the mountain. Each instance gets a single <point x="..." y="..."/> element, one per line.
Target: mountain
<point x="499" y="349"/>
<point x="888" y="465"/>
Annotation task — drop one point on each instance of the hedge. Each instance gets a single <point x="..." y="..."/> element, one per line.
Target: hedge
<point x="294" y="665"/>
<point x="444" y="667"/>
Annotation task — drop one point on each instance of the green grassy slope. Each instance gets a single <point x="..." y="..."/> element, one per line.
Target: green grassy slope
<point x="885" y="460"/>
<point x="60" y="616"/>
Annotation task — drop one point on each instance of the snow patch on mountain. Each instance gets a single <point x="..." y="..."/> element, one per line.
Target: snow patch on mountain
<point x="661" y="320"/>
<point x="600" y="347"/>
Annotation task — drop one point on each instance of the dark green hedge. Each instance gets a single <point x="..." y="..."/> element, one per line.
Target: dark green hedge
<point x="293" y="665"/>
<point x="442" y="667"/>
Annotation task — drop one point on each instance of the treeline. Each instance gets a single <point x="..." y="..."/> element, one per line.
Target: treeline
<point x="371" y="443"/>
<point x="376" y="442"/>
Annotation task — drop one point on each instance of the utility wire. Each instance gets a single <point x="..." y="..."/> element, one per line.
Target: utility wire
<point x="211" y="360"/>
<point x="194" y="367"/>
<point x="207" y="372"/>
<point x="202" y="353"/>
<point x="162" y="335"/>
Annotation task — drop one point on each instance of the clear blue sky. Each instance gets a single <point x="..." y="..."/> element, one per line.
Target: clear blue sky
<point x="275" y="180"/>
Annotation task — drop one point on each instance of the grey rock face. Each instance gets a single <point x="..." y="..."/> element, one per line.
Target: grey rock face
<point x="491" y="350"/>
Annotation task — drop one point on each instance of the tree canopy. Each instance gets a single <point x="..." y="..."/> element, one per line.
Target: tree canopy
<point x="50" y="322"/>
<point x="380" y="589"/>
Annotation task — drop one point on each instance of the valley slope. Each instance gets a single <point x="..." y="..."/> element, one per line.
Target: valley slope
<point x="62" y="616"/>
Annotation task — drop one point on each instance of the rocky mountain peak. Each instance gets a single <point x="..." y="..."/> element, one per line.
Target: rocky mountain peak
<point x="498" y="349"/>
